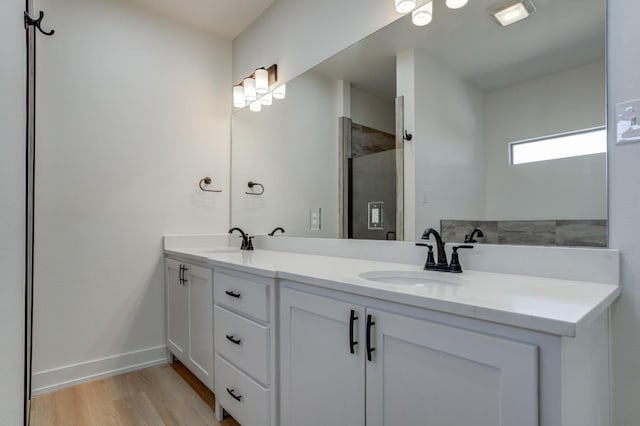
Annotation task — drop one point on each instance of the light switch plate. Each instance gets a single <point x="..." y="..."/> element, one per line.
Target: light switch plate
<point x="315" y="218"/>
<point x="375" y="215"/>
<point x="628" y="122"/>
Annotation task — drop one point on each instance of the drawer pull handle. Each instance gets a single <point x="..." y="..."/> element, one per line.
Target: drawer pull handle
<point x="352" y="343"/>
<point x="232" y="340"/>
<point x="232" y="294"/>
<point x="370" y="349"/>
<point x="233" y="395"/>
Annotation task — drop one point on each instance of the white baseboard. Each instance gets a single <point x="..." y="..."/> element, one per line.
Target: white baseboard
<point x="69" y="375"/>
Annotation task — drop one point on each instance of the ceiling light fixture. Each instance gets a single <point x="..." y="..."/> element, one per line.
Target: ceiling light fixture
<point x="456" y="4"/>
<point x="422" y="15"/>
<point x="405" y="6"/>
<point x="513" y="11"/>
<point x="267" y="100"/>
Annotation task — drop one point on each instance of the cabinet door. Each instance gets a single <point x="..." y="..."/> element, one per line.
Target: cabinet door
<point x="200" y="285"/>
<point x="177" y="310"/>
<point x="424" y="373"/>
<point x="322" y="382"/>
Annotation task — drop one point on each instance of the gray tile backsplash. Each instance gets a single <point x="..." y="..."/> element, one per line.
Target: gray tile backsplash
<point x="575" y="233"/>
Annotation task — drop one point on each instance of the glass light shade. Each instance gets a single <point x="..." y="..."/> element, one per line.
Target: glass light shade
<point x="255" y="106"/>
<point x="456" y="4"/>
<point x="267" y="99"/>
<point x="238" y="97"/>
<point x="249" y="89"/>
<point x="280" y="92"/>
<point x="423" y="15"/>
<point x="262" y="81"/>
<point x="404" y="6"/>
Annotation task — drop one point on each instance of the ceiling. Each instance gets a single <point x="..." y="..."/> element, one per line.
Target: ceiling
<point x="560" y="35"/>
<point x="224" y="18"/>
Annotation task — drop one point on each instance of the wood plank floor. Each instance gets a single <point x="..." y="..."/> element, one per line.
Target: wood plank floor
<point x="165" y="395"/>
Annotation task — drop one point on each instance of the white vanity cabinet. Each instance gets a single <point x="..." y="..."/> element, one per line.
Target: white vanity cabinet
<point x="245" y="347"/>
<point x="189" y="290"/>
<point x="401" y="371"/>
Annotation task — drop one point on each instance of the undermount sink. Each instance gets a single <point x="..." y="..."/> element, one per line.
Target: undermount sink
<point x="414" y="278"/>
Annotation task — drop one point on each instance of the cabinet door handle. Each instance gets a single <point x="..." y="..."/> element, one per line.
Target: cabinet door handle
<point x="370" y="324"/>
<point x="232" y="294"/>
<point x="352" y="343"/>
<point x="232" y="339"/>
<point x="233" y="395"/>
<point x="181" y="274"/>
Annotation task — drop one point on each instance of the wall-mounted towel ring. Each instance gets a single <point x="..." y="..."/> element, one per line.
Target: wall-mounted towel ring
<point x="251" y="185"/>
<point x="207" y="181"/>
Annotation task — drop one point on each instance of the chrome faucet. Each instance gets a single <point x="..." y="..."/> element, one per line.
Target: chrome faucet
<point x="246" y="240"/>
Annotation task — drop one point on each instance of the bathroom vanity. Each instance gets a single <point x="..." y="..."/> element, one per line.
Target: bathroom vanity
<point x="315" y="339"/>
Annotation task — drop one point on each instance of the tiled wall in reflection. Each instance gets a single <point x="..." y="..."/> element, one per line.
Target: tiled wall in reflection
<point x="575" y="233"/>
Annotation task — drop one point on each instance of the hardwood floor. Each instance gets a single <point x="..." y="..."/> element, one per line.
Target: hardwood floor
<point x="164" y="395"/>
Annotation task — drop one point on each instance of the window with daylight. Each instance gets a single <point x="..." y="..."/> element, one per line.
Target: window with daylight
<point x="573" y="144"/>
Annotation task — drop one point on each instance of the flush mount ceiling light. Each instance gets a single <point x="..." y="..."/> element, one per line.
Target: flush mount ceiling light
<point x="255" y="89"/>
<point x="456" y="4"/>
<point x="513" y="11"/>
<point x="405" y="6"/>
<point x="422" y="15"/>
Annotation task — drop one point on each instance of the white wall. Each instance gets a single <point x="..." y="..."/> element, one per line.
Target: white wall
<point x="448" y="149"/>
<point x="371" y="111"/>
<point x="133" y="110"/>
<point x="624" y="211"/>
<point x="298" y="34"/>
<point x="12" y="210"/>
<point x="561" y="102"/>
<point x="301" y="132"/>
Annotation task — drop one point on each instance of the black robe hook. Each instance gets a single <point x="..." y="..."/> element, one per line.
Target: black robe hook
<point x="28" y="21"/>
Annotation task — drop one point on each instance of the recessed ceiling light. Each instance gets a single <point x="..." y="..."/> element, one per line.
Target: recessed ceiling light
<point x="513" y="11"/>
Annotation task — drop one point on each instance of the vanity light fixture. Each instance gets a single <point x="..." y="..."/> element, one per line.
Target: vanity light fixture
<point x="456" y="4"/>
<point x="262" y="81"/>
<point x="249" y="85"/>
<point x="267" y="99"/>
<point x="280" y="92"/>
<point x="255" y="106"/>
<point x="254" y="89"/>
<point x="238" y="96"/>
<point x="405" y="6"/>
<point x="423" y="15"/>
<point x="513" y="11"/>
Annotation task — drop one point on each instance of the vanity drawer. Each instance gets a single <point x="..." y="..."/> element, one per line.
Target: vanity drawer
<point x="242" y="341"/>
<point x="250" y="407"/>
<point x="249" y="297"/>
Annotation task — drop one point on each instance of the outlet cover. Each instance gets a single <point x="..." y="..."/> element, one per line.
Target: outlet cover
<point x="628" y="122"/>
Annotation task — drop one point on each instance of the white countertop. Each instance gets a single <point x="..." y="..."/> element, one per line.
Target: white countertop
<point x="553" y="306"/>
